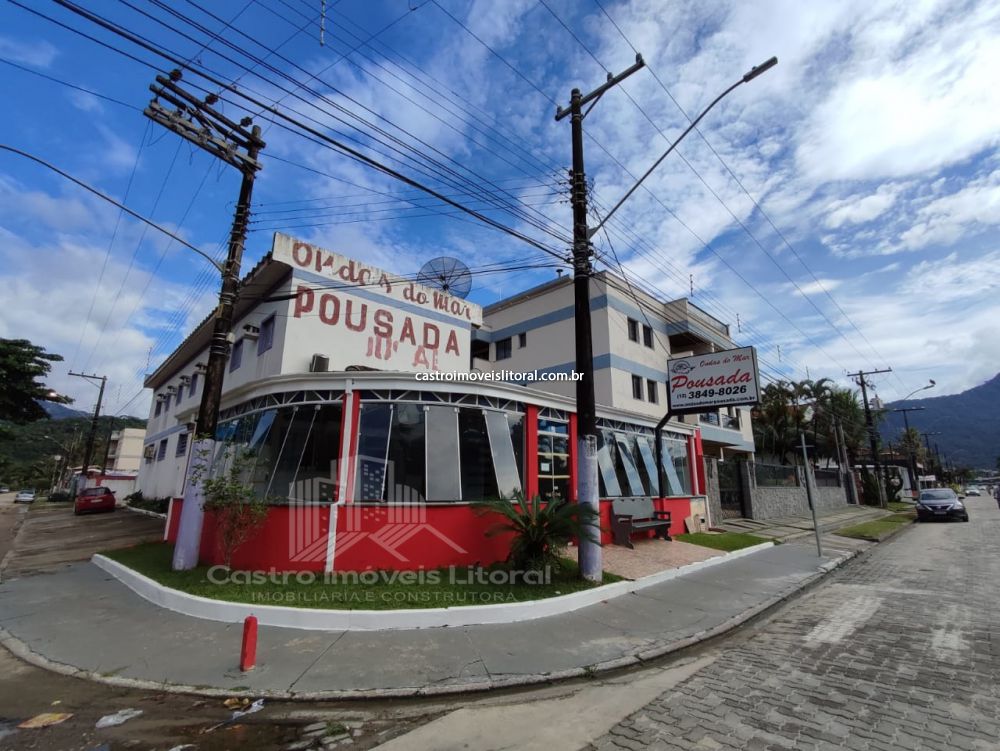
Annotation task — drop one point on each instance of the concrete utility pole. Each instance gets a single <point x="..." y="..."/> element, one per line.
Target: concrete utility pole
<point x="89" y="450"/>
<point x="591" y="565"/>
<point x="872" y="432"/>
<point x="196" y="121"/>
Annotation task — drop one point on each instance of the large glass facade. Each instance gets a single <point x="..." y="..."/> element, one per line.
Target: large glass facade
<point x="414" y="452"/>
<point x="627" y="464"/>
<point x="293" y="451"/>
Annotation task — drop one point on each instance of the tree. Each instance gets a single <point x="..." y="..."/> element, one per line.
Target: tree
<point x="21" y="365"/>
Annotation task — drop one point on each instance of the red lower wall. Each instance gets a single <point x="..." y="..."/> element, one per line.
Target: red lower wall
<point x="295" y="538"/>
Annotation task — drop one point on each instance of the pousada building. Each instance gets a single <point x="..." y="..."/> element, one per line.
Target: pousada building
<point x="378" y="411"/>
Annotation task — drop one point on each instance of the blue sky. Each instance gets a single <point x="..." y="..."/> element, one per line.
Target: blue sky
<point x="845" y="205"/>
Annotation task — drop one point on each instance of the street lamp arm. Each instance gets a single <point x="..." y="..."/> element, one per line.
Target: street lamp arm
<point x="747" y="77"/>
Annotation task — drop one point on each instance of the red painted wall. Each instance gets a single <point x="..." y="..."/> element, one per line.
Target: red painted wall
<point x="173" y="522"/>
<point x="292" y="538"/>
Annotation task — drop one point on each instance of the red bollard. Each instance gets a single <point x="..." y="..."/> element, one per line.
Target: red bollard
<point x="248" y="652"/>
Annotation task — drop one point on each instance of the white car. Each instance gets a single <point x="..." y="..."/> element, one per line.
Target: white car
<point x="25" y="496"/>
<point x="973" y="491"/>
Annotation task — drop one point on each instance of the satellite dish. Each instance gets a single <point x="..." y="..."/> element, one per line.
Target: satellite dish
<point x="446" y="274"/>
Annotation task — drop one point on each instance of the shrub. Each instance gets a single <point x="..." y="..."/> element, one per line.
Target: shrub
<point x="238" y="511"/>
<point x="541" y="530"/>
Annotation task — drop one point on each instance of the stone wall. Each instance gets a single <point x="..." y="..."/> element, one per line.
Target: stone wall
<point x="766" y="502"/>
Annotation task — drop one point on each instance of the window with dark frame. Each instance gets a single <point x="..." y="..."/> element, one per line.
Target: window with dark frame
<point x="236" y="358"/>
<point x="647" y="336"/>
<point x="652" y="392"/>
<point x="633" y="330"/>
<point x="161" y="450"/>
<point x="636" y="387"/>
<point x="504" y="349"/>
<point x="266" y="339"/>
<point x="522" y="340"/>
<point x="182" y="444"/>
<point x="159" y="407"/>
<point x="194" y="385"/>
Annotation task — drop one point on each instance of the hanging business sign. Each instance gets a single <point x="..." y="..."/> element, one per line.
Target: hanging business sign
<point x="717" y="379"/>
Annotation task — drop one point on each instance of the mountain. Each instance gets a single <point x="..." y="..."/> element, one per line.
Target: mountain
<point x="61" y="411"/>
<point x="967" y="422"/>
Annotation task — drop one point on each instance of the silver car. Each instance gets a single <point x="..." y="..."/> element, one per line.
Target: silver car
<point x="25" y="496"/>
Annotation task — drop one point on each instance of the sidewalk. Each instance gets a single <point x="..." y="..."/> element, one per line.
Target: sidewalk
<point x="83" y="622"/>
<point x="788" y="528"/>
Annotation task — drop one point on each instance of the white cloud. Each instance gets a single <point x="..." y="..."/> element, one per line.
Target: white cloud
<point x="858" y="210"/>
<point x="960" y="214"/>
<point x="37" y="54"/>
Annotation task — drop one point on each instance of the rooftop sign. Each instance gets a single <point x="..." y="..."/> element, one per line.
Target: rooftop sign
<point x="718" y="379"/>
<point x="351" y="273"/>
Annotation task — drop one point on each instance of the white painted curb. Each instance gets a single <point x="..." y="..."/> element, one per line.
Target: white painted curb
<point x="316" y="619"/>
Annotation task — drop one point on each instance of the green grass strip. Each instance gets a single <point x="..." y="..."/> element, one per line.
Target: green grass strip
<point x="722" y="540"/>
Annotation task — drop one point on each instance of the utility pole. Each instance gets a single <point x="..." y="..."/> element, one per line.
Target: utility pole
<point x="591" y="564"/>
<point x="809" y="493"/>
<point x="89" y="450"/>
<point x="912" y="454"/>
<point x="196" y="121"/>
<point x="872" y="433"/>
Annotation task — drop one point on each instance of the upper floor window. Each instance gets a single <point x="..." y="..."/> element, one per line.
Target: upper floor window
<point x="647" y="336"/>
<point x="636" y="387"/>
<point x="182" y="444"/>
<point x="236" y="358"/>
<point x="194" y="385"/>
<point x="266" y="339"/>
<point x="522" y="340"/>
<point x="159" y="407"/>
<point x="633" y="330"/>
<point x="504" y="349"/>
<point x="652" y="391"/>
<point x="161" y="450"/>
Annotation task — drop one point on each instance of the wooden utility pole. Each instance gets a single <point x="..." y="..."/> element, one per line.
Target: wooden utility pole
<point x="872" y="432"/>
<point x="586" y="407"/>
<point x="88" y="453"/>
<point x="196" y="121"/>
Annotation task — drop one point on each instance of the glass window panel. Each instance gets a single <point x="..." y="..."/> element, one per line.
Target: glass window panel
<point x="374" y="426"/>
<point x="444" y="482"/>
<point x="516" y="425"/>
<point x="552" y="426"/>
<point x="289" y="435"/>
<point x="675" y="465"/>
<point x="406" y="480"/>
<point x="544" y="444"/>
<point x="316" y="477"/>
<point x="479" y="481"/>
<point x="609" y="486"/>
<point x="633" y="482"/>
<point x="647" y="464"/>
<point x="502" y="449"/>
<point x="560" y="445"/>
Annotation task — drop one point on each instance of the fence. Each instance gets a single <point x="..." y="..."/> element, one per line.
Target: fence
<point x="827" y="478"/>
<point x="775" y="475"/>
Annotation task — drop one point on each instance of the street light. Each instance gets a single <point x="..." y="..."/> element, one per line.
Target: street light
<point x="930" y="385"/>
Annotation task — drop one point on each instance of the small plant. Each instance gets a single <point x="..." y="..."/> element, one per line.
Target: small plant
<point x="238" y="511"/>
<point x="541" y="529"/>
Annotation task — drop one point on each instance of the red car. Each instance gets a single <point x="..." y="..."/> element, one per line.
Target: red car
<point x="94" y="499"/>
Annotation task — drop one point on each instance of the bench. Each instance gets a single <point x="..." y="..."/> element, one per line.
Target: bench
<point x="630" y="515"/>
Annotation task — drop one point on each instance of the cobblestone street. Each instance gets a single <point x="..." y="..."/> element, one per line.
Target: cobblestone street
<point x="899" y="651"/>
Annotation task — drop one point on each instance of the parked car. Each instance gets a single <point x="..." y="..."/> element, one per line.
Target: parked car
<point x="25" y="496"/>
<point x="94" y="499"/>
<point x="973" y="491"/>
<point x="940" y="504"/>
<point x="4" y="489"/>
